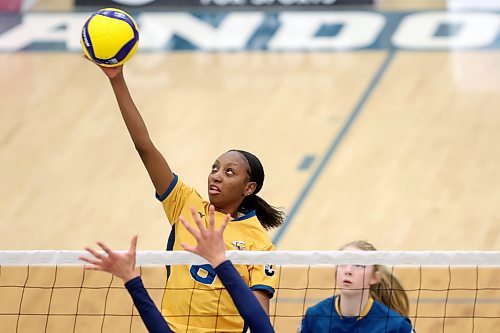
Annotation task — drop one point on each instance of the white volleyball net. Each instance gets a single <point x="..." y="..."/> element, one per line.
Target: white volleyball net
<point x="48" y="291"/>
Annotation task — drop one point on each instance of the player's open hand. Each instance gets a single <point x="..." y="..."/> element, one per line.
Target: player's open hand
<point x="121" y="265"/>
<point x="210" y="242"/>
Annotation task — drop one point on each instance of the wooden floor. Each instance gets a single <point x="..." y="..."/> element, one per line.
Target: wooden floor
<point x="415" y="169"/>
<point x="418" y="168"/>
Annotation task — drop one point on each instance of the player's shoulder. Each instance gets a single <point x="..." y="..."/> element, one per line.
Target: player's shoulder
<point x="401" y="324"/>
<point x="179" y="188"/>
<point x="380" y="307"/>
<point x="181" y="185"/>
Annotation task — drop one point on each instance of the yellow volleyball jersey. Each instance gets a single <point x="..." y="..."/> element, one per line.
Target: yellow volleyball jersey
<point x="195" y="299"/>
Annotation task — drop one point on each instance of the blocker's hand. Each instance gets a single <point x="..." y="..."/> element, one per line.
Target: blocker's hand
<point x="121" y="265"/>
<point x="210" y="243"/>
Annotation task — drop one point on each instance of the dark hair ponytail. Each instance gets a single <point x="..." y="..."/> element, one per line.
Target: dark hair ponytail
<point x="269" y="216"/>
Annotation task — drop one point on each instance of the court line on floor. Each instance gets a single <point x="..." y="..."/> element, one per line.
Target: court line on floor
<point x="337" y="139"/>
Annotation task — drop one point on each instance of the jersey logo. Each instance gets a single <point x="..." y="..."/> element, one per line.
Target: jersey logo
<point x="201" y="215"/>
<point x="269" y="270"/>
<point x="204" y="274"/>
<point x="239" y="245"/>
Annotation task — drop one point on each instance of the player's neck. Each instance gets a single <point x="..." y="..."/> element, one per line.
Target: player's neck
<point x="352" y="305"/>
<point x="233" y="211"/>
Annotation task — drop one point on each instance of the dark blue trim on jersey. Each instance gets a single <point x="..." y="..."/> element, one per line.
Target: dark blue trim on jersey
<point x="263" y="287"/>
<point x="170" y="246"/>
<point x="169" y="189"/>
<point x="246" y="216"/>
<point x="337" y="140"/>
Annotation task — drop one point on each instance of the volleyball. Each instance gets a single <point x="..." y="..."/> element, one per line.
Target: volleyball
<point x="109" y="37"/>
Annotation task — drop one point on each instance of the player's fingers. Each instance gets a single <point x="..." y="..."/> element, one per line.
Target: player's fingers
<point x="133" y="245"/>
<point x="90" y="260"/>
<point x="94" y="253"/>
<point x="106" y="249"/>
<point x="223" y="226"/>
<point x="92" y="268"/>
<point x="195" y="214"/>
<point x="192" y="231"/>
<point x="211" y="217"/>
<point x="197" y="219"/>
<point x="188" y="247"/>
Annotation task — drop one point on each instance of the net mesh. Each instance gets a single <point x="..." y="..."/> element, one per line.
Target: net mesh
<point x="48" y="291"/>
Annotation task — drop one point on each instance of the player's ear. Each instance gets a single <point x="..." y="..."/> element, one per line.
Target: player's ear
<point x="249" y="188"/>
<point x="376" y="277"/>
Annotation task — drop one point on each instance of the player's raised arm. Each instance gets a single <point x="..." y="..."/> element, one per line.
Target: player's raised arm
<point x="156" y="165"/>
<point x="122" y="265"/>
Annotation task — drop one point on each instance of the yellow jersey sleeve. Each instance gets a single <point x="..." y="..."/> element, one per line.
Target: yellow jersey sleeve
<point x="175" y="198"/>
<point x="264" y="277"/>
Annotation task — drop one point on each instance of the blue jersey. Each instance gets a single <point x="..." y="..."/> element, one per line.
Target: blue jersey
<point x="250" y="309"/>
<point x="325" y="317"/>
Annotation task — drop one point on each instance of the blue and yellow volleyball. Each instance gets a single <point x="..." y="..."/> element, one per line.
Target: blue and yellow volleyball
<point x="110" y="37"/>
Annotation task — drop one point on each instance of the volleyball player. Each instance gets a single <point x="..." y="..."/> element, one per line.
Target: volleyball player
<point x="233" y="183"/>
<point x="371" y="300"/>
<point x="209" y="245"/>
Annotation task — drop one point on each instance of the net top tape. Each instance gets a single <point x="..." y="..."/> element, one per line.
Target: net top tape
<point x="299" y="258"/>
